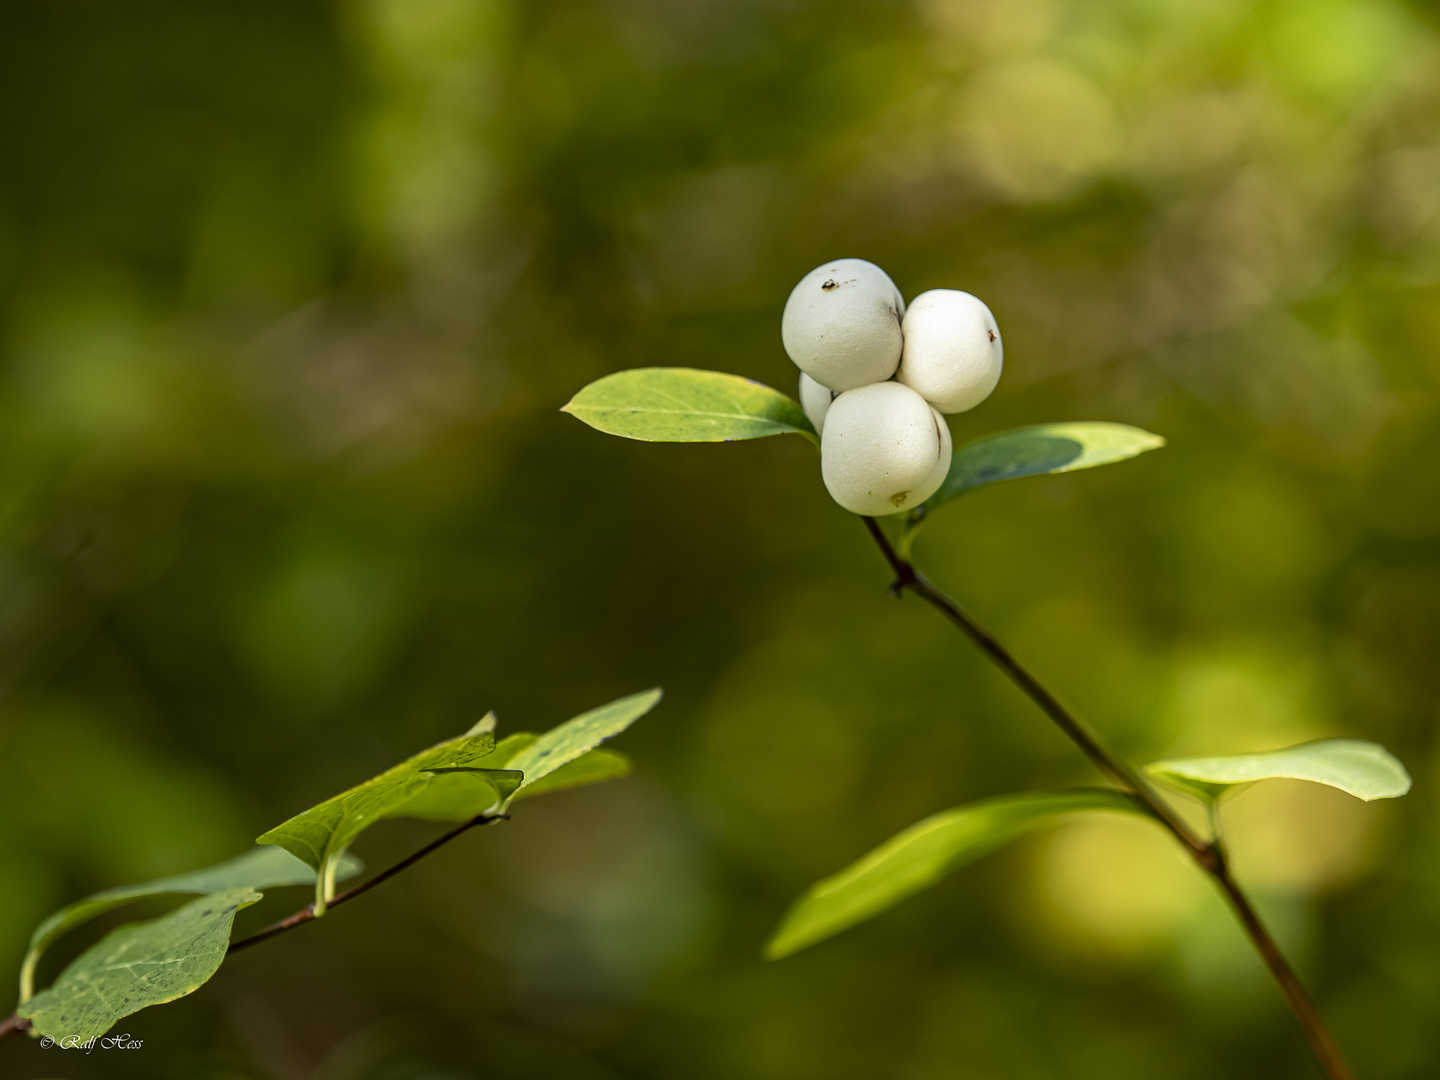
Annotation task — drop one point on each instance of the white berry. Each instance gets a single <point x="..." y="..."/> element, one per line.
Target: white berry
<point x="841" y="325"/>
<point x="883" y="450"/>
<point x="942" y="464"/>
<point x="953" y="353"/>
<point x="815" y="400"/>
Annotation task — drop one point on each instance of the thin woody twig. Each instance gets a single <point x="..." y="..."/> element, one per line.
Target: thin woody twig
<point x="307" y="913"/>
<point x="1209" y="856"/>
<point x="16" y="1023"/>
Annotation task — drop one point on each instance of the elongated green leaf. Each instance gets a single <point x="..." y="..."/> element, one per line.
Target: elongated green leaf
<point x="920" y="856"/>
<point x="561" y="745"/>
<point x="455" y="797"/>
<point x="1363" y="769"/>
<point x="1035" y="451"/>
<point x="687" y="405"/>
<point x="138" y="965"/>
<point x="321" y="834"/>
<point x="461" y="794"/>
<point x="592" y="768"/>
<point x="258" y="868"/>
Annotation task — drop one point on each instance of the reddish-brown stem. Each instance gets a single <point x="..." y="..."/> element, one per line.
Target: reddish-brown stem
<point x="1209" y="856"/>
<point x="14" y="1025"/>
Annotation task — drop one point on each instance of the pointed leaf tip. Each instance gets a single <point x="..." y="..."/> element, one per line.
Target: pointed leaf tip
<point x="484" y="724"/>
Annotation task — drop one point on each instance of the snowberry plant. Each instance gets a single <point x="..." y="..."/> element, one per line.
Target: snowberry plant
<point x="876" y="381"/>
<point x="467" y="781"/>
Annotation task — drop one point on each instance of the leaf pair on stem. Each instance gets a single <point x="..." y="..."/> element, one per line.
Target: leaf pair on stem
<point x="688" y="405"/>
<point x="925" y="853"/>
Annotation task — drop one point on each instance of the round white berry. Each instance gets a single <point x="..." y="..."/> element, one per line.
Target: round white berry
<point x="884" y="449"/>
<point x="953" y="353"/>
<point x="815" y="400"/>
<point x="841" y="325"/>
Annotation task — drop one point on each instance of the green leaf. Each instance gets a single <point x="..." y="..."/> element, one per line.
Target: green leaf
<point x="686" y="405"/>
<point x="1038" y="450"/>
<point x="456" y="798"/>
<point x="258" y="868"/>
<point x="455" y="781"/>
<point x="920" y="856"/>
<point x="321" y="834"/>
<point x="561" y="745"/>
<point x="1363" y="769"/>
<point x="138" y="965"/>
<point x="461" y="794"/>
<point x="592" y="768"/>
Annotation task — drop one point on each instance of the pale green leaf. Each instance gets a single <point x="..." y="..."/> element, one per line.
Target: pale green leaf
<point x="136" y="966"/>
<point x="321" y="834"/>
<point x="456" y="798"/>
<point x="508" y="749"/>
<point x="922" y="855"/>
<point x="592" y="768"/>
<point x="1363" y="769"/>
<point x="561" y="745"/>
<point x="687" y="405"/>
<point x="1038" y="450"/>
<point x="461" y="794"/>
<point x="484" y="724"/>
<point x="258" y="868"/>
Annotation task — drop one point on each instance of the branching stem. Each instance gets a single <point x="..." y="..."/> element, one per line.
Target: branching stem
<point x="1209" y="856"/>
<point x="16" y="1024"/>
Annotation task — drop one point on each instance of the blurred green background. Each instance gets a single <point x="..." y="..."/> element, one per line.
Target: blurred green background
<point x="292" y="294"/>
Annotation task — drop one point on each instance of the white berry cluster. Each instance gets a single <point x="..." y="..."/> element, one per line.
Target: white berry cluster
<point x="875" y="377"/>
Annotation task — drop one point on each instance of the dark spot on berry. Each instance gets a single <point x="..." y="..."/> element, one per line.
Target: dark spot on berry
<point x="830" y="284"/>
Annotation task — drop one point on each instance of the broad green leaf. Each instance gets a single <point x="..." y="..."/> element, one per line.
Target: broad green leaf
<point x="592" y="768"/>
<point x="1035" y="451"/>
<point x="136" y="966"/>
<point x="258" y="868"/>
<point x="456" y="798"/>
<point x="561" y="745"/>
<point x="461" y="794"/>
<point x="920" y="856"/>
<point x="686" y="405"/>
<point x="321" y="834"/>
<point x="1363" y="769"/>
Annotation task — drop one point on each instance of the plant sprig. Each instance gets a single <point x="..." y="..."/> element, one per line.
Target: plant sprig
<point x="922" y="855"/>
<point x="472" y="780"/>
